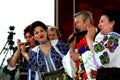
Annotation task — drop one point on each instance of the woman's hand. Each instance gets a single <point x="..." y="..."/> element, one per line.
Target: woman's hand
<point x="90" y="36"/>
<point x="93" y="73"/>
<point x="91" y="32"/>
<point x="22" y="47"/>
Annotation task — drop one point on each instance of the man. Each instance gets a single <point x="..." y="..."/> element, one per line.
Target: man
<point x="83" y="22"/>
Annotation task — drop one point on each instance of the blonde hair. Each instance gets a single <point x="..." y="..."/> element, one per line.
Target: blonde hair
<point x="84" y="15"/>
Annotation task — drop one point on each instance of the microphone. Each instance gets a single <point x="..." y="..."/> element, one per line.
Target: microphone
<point x="72" y="38"/>
<point x="80" y="33"/>
<point x="26" y="44"/>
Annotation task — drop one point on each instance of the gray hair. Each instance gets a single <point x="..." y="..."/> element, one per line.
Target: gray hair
<point x="84" y="15"/>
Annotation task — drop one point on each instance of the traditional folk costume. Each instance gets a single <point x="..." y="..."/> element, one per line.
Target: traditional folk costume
<point x="81" y="47"/>
<point x="50" y="67"/>
<point x="105" y="58"/>
<point x="76" y="69"/>
<point x="21" y="67"/>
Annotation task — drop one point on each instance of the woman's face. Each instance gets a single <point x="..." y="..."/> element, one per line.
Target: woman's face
<point x="105" y="25"/>
<point x="52" y="34"/>
<point x="29" y="39"/>
<point x="40" y="34"/>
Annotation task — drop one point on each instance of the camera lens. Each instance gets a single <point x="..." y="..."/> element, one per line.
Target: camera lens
<point x="11" y="27"/>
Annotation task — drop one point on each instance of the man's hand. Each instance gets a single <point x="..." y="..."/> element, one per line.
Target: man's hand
<point x="74" y="56"/>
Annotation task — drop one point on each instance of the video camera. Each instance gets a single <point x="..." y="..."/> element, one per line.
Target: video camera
<point x="10" y="37"/>
<point x="11" y="33"/>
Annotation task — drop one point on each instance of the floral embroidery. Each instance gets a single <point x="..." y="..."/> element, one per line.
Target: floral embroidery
<point x="104" y="39"/>
<point x="109" y="42"/>
<point x="98" y="47"/>
<point x="112" y="43"/>
<point x="62" y="47"/>
<point x="104" y="58"/>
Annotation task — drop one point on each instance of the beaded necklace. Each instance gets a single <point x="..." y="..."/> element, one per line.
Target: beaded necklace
<point x="42" y="43"/>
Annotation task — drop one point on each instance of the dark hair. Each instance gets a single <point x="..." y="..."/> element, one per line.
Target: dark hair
<point x="113" y="16"/>
<point x="37" y="23"/>
<point x="27" y="29"/>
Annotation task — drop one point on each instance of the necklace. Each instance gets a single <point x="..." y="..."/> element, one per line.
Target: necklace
<point x="42" y="43"/>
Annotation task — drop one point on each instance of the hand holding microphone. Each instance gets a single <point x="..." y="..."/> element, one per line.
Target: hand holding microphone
<point x="72" y="38"/>
<point x="22" y="45"/>
<point x="23" y="49"/>
<point x="89" y="34"/>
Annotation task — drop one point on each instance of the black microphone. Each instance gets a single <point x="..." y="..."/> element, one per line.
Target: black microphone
<point x="27" y="43"/>
<point x="72" y="38"/>
<point x="79" y="33"/>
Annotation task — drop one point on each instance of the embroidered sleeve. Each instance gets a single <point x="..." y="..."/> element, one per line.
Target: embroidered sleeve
<point x="62" y="47"/>
<point x="107" y="50"/>
<point x="32" y="65"/>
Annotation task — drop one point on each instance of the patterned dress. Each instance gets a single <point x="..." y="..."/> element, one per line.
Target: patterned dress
<point x="39" y="64"/>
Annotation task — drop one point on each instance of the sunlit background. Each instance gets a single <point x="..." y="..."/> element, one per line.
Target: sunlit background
<point x="20" y="13"/>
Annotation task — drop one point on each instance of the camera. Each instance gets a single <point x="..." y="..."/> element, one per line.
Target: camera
<point x="11" y="33"/>
<point x="11" y="28"/>
<point x="10" y="37"/>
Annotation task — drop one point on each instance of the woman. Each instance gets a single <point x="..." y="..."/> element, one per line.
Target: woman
<point x="102" y="62"/>
<point x="45" y="60"/>
<point x="53" y="33"/>
<point x="20" y="57"/>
